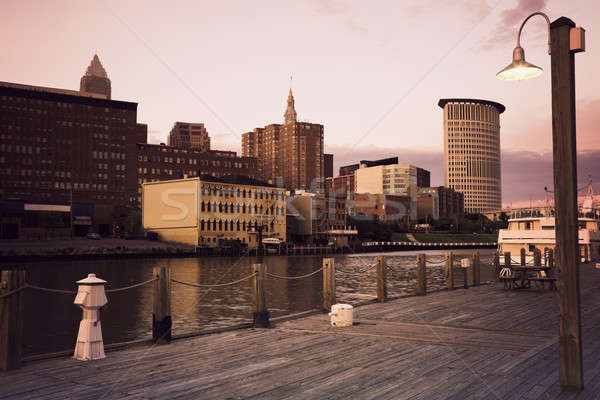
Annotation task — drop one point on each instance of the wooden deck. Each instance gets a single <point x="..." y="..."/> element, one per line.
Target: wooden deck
<point x="479" y="343"/>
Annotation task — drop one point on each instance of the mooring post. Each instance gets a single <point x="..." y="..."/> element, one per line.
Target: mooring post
<point x="537" y="257"/>
<point x="507" y="260"/>
<point x="496" y="262"/>
<point x="381" y="279"/>
<point x="161" y="314"/>
<point x="421" y="275"/>
<point x="523" y="257"/>
<point x="328" y="284"/>
<point x="476" y="269"/>
<point x="261" y="314"/>
<point x="11" y="319"/>
<point x="449" y="270"/>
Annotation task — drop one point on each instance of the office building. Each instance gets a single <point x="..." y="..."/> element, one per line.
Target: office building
<point x="327" y="165"/>
<point x="472" y="151"/>
<point x="289" y="155"/>
<point x="207" y="211"/>
<point x="187" y="135"/>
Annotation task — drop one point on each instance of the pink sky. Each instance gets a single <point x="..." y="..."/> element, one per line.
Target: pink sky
<point x="371" y="72"/>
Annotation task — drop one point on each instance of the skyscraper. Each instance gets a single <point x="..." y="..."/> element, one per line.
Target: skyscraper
<point x="95" y="80"/>
<point x="472" y="151"/>
<point x="290" y="154"/>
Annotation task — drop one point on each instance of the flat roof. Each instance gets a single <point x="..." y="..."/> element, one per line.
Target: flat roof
<point x="499" y="106"/>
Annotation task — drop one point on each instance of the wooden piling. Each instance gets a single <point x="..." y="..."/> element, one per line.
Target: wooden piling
<point x="537" y="257"/>
<point x="11" y="319"/>
<point x="496" y="262"/>
<point x="328" y="283"/>
<point x="421" y="275"/>
<point x="476" y="269"/>
<point x="381" y="279"/>
<point x="507" y="260"/>
<point x="523" y="257"/>
<point x="449" y="270"/>
<point x="161" y="315"/>
<point x="261" y="314"/>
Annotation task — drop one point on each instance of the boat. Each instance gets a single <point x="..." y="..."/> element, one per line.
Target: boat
<point x="532" y="229"/>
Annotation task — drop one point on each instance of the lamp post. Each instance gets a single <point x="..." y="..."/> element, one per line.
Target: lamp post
<point x="564" y="41"/>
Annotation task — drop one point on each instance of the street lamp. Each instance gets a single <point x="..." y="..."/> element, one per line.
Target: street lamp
<point x="564" y="41"/>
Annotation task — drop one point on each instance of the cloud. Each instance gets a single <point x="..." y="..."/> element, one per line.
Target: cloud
<point x="509" y="23"/>
<point x="524" y="173"/>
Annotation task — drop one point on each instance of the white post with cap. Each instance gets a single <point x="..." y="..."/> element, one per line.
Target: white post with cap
<point x="91" y="298"/>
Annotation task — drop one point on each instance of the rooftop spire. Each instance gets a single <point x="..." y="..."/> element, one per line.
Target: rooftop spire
<point x="290" y="112"/>
<point x="95" y="68"/>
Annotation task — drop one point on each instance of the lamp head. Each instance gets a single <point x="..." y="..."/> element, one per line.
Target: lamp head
<point x="519" y="68"/>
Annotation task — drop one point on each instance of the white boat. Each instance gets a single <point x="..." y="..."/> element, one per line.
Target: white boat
<point x="532" y="229"/>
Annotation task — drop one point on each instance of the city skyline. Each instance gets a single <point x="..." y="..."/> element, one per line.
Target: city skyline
<point x="349" y="66"/>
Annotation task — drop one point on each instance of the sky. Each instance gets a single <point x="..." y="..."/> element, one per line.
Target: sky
<point x="371" y="72"/>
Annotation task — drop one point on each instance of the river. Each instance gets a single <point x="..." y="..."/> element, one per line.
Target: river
<point x="51" y="319"/>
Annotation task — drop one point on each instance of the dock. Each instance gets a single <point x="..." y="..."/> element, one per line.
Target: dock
<point x="478" y="343"/>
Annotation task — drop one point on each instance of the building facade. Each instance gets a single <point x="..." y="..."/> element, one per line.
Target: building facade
<point x="95" y="80"/>
<point x="391" y="179"/>
<point x="63" y="146"/>
<point x="328" y="165"/>
<point x="472" y="151"/>
<point x="160" y="163"/>
<point x="451" y="203"/>
<point x="290" y="155"/>
<point x="189" y="135"/>
<point x="385" y="207"/>
<point x="213" y="212"/>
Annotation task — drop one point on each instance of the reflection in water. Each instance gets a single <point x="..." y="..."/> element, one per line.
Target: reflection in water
<point x="51" y="320"/>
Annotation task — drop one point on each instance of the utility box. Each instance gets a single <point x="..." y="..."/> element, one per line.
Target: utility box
<point x="342" y="315"/>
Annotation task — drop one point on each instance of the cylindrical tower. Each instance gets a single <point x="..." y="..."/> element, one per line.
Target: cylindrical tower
<point x="472" y="150"/>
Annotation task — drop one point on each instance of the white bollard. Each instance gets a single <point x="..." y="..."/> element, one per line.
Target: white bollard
<point x="91" y="298"/>
<point x="342" y="315"/>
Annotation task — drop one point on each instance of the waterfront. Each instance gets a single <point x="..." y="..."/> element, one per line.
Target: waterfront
<point x="128" y="315"/>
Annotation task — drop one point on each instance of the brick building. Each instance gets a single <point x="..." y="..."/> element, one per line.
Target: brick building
<point x="189" y="135"/>
<point x="289" y="155"/>
<point x="386" y="207"/>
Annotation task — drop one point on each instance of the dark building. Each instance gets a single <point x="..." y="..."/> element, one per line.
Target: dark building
<point x="64" y="146"/>
<point x="189" y="135"/>
<point x="289" y="155"/>
<point x="328" y="165"/>
<point x="160" y="162"/>
<point x="451" y="203"/>
<point x="95" y="80"/>
<point x="423" y="177"/>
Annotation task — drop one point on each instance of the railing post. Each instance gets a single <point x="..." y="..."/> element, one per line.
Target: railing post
<point x="161" y="314"/>
<point x="449" y="270"/>
<point x="11" y="319"/>
<point x="507" y="260"/>
<point x="381" y="279"/>
<point x="476" y="269"/>
<point x="496" y="262"/>
<point x="537" y="257"/>
<point x="523" y="257"/>
<point x="261" y="314"/>
<point x="328" y="283"/>
<point x="421" y="275"/>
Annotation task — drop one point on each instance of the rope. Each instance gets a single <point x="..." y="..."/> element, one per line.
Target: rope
<point x="132" y="286"/>
<point x="295" y="277"/>
<point x="215" y="285"/>
<point x="51" y="290"/>
<point x="13" y="292"/>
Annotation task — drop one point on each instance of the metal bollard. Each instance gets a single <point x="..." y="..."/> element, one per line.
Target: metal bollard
<point x="91" y="298"/>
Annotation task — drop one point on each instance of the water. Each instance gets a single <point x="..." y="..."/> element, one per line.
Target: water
<point x="51" y="320"/>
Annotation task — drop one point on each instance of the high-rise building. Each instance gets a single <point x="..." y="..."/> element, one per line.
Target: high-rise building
<point x="95" y="80"/>
<point x="187" y="135"/>
<point x="289" y="155"/>
<point x="472" y="151"/>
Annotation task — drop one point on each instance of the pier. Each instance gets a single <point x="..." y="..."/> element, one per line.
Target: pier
<point x="481" y="342"/>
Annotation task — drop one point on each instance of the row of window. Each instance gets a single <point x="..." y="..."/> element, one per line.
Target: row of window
<point x="240" y="208"/>
<point x="238" y="226"/>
